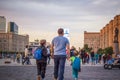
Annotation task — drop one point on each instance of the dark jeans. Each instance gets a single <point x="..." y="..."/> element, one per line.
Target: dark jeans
<point x="59" y="66"/>
<point x="27" y="60"/>
<point x="48" y="59"/>
<point x="41" y="68"/>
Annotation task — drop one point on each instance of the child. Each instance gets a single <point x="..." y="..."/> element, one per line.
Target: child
<point x="42" y="63"/>
<point x="75" y="60"/>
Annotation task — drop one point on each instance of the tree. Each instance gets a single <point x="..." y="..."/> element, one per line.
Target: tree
<point x="87" y="49"/>
<point x="108" y="50"/>
<point x="100" y="51"/>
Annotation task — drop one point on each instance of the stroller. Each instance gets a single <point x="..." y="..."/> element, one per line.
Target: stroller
<point x="110" y="64"/>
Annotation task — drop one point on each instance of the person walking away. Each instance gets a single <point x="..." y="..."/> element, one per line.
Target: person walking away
<point x="82" y="56"/>
<point x="87" y="58"/>
<point x="48" y="54"/>
<point x="76" y="66"/>
<point x="26" y="58"/>
<point x="42" y="63"/>
<point x="18" y="58"/>
<point x="104" y="58"/>
<point x="96" y="58"/>
<point x="59" y="45"/>
<point x="92" y="57"/>
<point x="100" y="58"/>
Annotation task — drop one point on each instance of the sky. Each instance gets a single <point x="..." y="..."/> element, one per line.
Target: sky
<point x="40" y="19"/>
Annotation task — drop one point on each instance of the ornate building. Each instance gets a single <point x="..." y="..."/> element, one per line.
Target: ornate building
<point x="106" y="35"/>
<point x="108" y="32"/>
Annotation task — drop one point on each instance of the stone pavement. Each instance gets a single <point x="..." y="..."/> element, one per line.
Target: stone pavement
<point x="29" y="72"/>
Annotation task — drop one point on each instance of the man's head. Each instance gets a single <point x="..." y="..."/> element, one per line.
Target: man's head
<point x="60" y="31"/>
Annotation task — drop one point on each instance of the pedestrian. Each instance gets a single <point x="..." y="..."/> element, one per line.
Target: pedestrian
<point x="59" y="45"/>
<point x="82" y="55"/>
<point x="87" y="58"/>
<point x="92" y="54"/>
<point x="100" y="58"/>
<point x="78" y="65"/>
<point x="104" y="58"/>
<point x="26" y="56"/>
<point x="48" y="54"/>
<point x="18" y="57"/>
<point x="96" y="58"/>
<point x="42" y="63"/>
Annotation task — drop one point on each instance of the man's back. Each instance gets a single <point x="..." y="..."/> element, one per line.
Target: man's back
<point x="60" y="43"/>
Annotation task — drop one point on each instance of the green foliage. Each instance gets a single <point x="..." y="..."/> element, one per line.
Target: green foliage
<point x="100" y="51"/>
<point x="108" y="50"/>
<point x="87" y="49"/>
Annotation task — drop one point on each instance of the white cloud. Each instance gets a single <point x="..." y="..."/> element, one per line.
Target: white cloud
<point x="39" y="18"/>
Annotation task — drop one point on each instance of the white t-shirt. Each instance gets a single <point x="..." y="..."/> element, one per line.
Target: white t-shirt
<point x="26" y="52"/>
<point x="48" y="51"/>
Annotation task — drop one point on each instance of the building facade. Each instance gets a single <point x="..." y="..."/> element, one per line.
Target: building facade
<point x="92" y="39"/>
<point x="10" y="42"/>
<point x="105" y="37"/>
<point x="2" y="24"/>
<point x="12" y="28"/>
<point x="108" y="32"/>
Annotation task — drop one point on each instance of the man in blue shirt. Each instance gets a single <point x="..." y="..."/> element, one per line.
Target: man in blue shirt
<point x="59" y="46"/>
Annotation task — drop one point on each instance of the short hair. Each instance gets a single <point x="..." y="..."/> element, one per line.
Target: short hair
<point x="76" y="53"/>
<point x="60" y="31"/>
<point x="26" y="46"/>
<point x="42" y="41"/>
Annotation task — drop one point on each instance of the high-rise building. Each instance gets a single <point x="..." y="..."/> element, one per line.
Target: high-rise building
<point x="2" y="24"/>
<point x="12" y="28"/>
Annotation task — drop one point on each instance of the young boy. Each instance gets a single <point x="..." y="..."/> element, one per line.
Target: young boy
<point x="76" y="65"/>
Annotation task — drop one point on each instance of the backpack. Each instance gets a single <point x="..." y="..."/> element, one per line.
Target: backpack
<point x="76" y="63"/>
<point x="38" y="53"/>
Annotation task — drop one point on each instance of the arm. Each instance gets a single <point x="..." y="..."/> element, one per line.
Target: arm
<point x="52" y="50"/>
<point x="26" y="52"/>
<point x="68" y="49"/>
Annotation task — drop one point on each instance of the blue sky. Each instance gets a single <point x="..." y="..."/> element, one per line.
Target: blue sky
<point x="41" y="18"/>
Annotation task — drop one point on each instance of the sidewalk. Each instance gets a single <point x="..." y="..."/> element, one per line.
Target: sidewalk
<point x="33" y="63"/>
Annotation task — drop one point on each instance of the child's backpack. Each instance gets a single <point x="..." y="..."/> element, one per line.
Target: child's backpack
<point x="38" y="53"/>
<point x="76" y="63"/>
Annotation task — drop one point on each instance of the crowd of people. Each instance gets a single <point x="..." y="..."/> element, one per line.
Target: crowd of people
<point x="59" y="51"/>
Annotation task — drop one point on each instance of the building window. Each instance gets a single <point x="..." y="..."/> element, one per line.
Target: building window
<point x="5" y="41"/>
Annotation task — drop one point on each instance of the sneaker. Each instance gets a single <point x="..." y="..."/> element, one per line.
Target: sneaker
<point x="39" y="78"/>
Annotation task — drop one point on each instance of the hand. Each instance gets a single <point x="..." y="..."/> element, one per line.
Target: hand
<point x="52" y="56"/>
<point x="68" y="57"/>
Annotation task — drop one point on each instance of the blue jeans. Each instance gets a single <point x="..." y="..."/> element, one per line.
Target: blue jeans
<point x="59" y="66"/>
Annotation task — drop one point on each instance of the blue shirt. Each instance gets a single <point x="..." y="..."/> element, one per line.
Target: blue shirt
<point x="59" y="44"/>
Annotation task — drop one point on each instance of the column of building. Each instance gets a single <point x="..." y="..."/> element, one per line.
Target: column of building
<point x="107" y="33"/>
